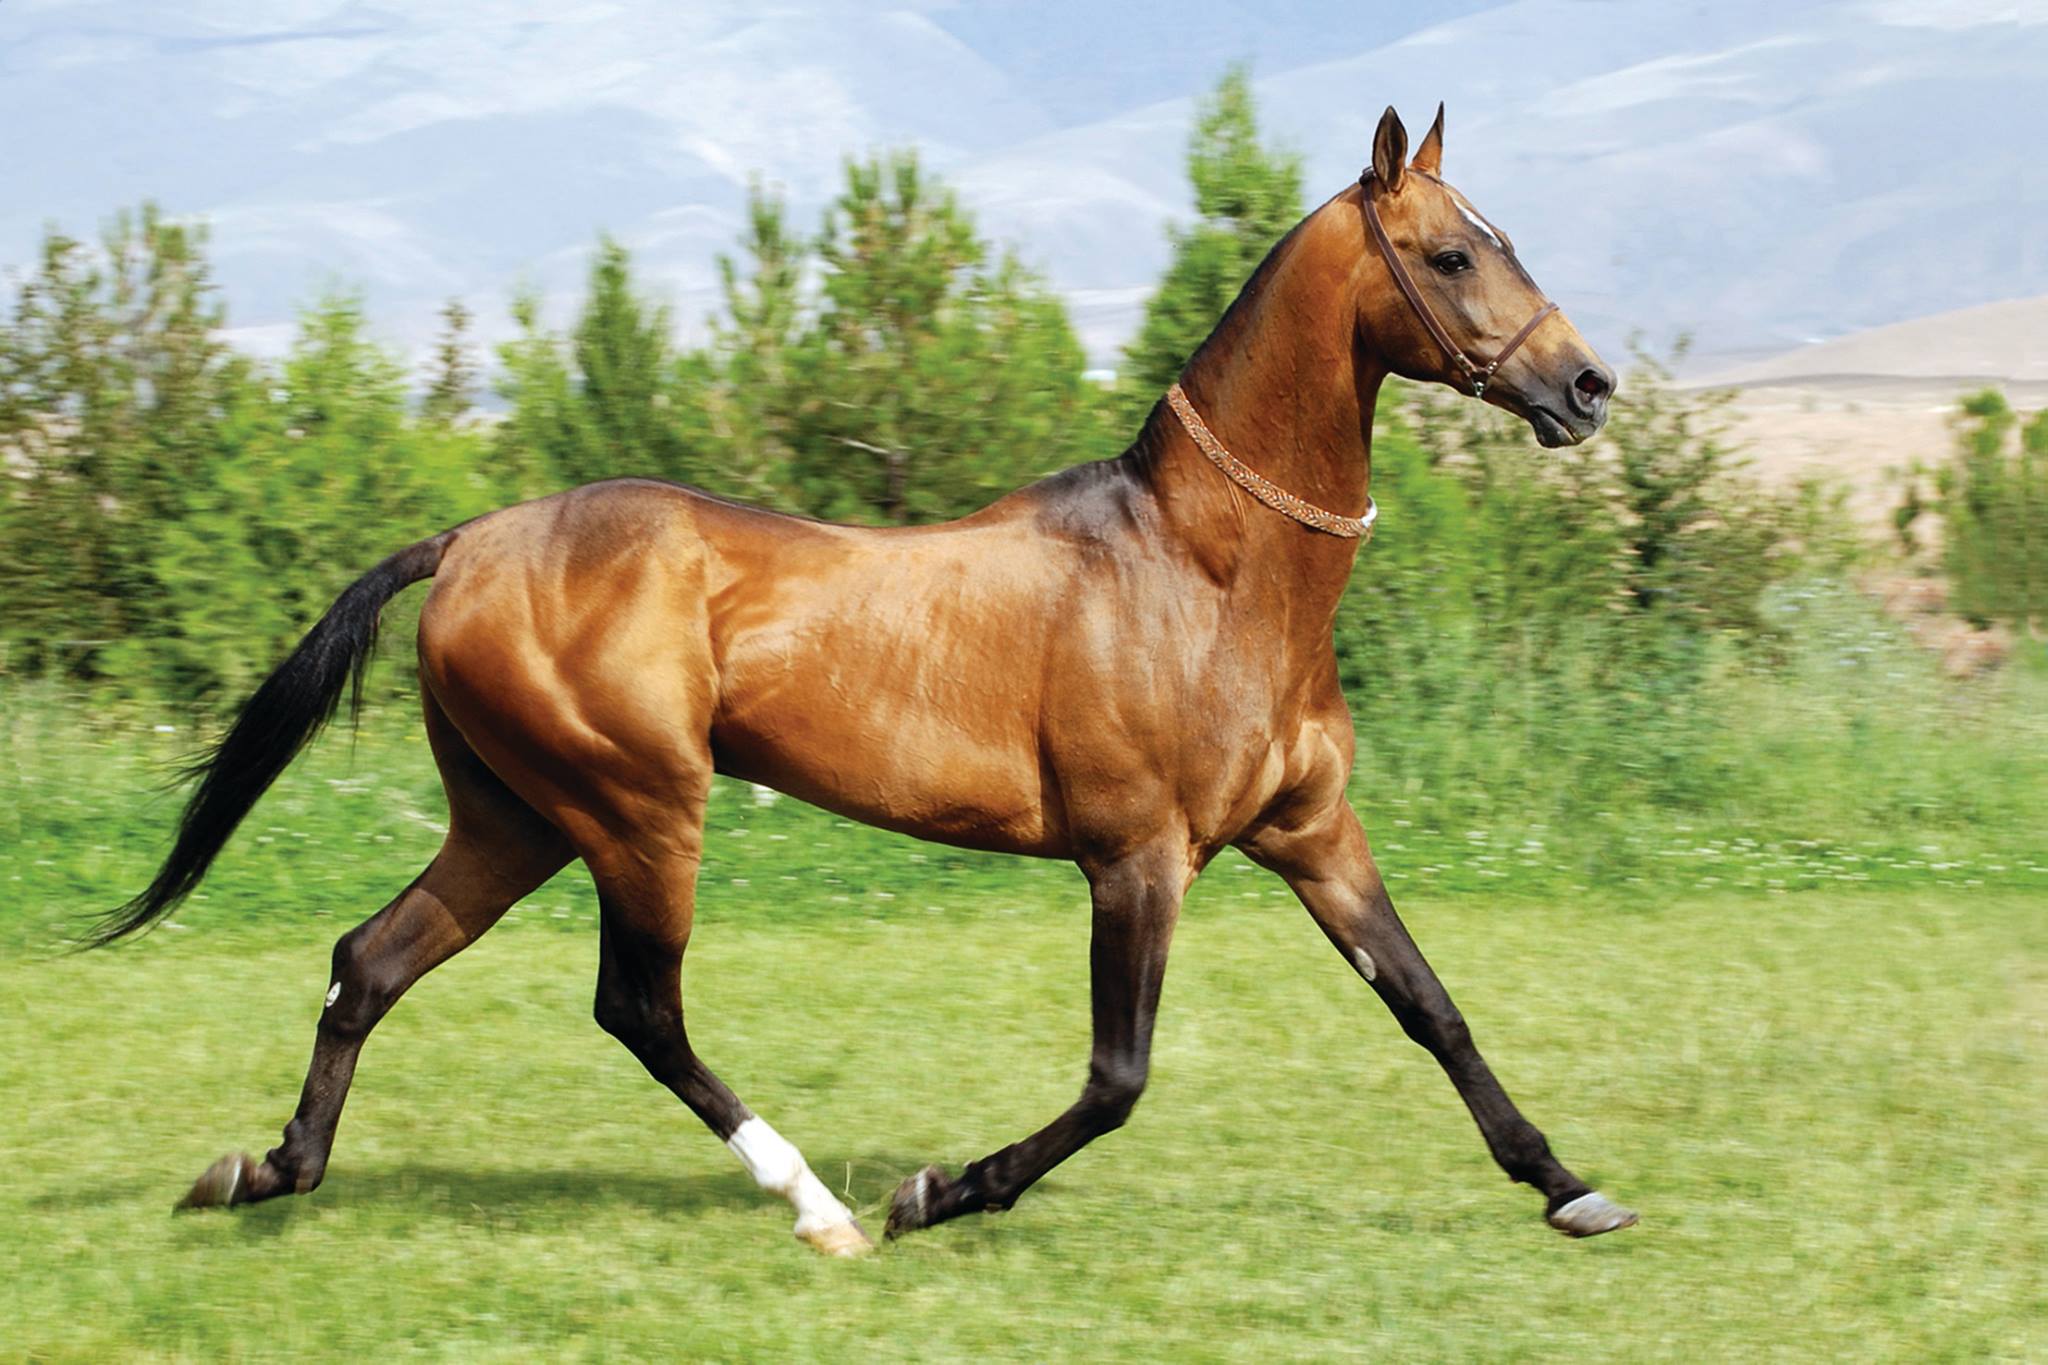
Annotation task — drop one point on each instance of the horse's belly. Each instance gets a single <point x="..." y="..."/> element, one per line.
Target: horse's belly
<point x="918" y="773"/>
<point x="898" y="684"/>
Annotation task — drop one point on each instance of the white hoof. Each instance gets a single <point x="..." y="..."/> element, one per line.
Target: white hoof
<point x="838" y="1239"/>
<point x="1590" y="1215"/>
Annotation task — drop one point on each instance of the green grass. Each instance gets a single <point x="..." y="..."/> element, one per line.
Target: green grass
<point x="1829" y="1114"/>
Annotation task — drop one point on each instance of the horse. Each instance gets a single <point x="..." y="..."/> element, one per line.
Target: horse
<point x="1128" y="665"/>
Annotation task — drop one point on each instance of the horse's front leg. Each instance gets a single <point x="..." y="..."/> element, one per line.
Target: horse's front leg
<point x="1136" y="902"/>
<point x="1328" y="863"/>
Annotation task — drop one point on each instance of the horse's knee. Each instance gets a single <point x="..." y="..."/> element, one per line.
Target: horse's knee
<point x="1438" y="1027"/>
<point x="1113" y="1091"/>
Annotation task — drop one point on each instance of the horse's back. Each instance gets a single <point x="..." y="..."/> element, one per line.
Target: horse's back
<point x="895" y="675"/>
<point x="644" y="630"/>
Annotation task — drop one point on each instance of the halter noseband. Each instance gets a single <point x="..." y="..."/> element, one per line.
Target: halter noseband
<point x="1476" y="374"/>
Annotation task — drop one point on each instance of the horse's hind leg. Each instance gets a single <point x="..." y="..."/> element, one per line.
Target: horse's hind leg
<point x="646" y="884"/>
<point x="498" y="849"/>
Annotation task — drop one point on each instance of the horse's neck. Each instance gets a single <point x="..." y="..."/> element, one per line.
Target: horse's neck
<point x="1287" y="388"/>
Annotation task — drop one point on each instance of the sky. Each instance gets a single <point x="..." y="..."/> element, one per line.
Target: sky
<point x="1761" y="175"/>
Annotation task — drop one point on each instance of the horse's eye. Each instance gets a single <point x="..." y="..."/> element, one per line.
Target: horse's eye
<point x="1450" y="262"/>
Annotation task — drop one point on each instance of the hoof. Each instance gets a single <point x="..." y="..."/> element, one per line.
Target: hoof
<point x="838" y="1239"/>
<point x="1590" y="1215"/>
<point x="914" y="1201"/>
<point x="225" y="1183"/>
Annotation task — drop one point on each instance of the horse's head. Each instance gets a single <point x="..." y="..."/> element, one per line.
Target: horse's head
<point x="1462" y="311"/>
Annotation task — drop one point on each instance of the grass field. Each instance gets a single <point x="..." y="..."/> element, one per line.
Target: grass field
<point x="1828" y="1109"/>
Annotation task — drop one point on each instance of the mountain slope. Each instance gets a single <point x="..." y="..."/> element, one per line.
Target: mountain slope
<point x="1993" y="343"/>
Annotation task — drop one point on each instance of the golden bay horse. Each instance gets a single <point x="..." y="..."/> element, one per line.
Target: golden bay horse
<point x="1128" y="664"/>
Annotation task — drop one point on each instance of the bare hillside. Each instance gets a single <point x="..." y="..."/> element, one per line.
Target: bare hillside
<point x="2004" y="343"/>
<point x="1862" y="407"/>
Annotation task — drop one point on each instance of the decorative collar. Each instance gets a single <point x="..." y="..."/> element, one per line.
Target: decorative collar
<point x="1263" y="488"/>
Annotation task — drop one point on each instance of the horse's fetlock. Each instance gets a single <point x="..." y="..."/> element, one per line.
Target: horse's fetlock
<point x="289" y="1167"/>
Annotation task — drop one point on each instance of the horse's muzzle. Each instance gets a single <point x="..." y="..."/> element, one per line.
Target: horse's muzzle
<point x="1588" y="395"/>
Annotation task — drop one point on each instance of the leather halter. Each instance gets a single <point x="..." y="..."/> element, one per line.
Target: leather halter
<point x="1263" y="488"/>
<point x="1476" y="374"/>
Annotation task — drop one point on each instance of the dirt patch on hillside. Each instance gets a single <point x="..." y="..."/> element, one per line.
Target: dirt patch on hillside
<point x="1861" y="433"/>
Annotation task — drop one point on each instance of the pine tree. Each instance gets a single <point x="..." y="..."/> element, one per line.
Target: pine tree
<point x="1994" y="506"/>
<point x="764" y="308"/>
<point x="543" y="440"/>
<point x="452" y="394"/>
<point x="738" y="394"/>
<point x="897" y="249"/>
<point x="116" y="390"/>
<point x="623" y="357"/>
<point x="1247" y="197"/>
<point x="933" y="378"/>
<point x="323" y="474"/>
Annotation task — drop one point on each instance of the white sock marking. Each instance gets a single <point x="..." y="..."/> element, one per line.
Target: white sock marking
<point x="778" y="1167"/>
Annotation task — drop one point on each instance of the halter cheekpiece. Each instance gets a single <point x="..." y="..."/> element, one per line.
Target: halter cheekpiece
<point x="1476" y="374"/>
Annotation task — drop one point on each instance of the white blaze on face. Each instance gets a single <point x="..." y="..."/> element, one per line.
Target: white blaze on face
<point x="1471" y="215"/>
<point x="779" y="1168"/>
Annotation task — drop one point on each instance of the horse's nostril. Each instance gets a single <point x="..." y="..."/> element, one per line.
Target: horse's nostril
<point x="1593" y="385"/>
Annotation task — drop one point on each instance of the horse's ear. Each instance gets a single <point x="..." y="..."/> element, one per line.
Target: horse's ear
<point x="1390" y="150"/>
<point x="1429" y="157"/>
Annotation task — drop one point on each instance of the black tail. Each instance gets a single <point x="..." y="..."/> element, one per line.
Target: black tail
<point x="273" y="725"/>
